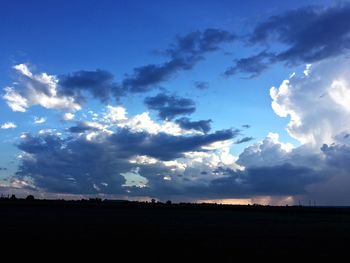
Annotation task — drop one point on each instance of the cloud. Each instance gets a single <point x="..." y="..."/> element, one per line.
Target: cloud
<point x="326" y="87"/>
<point x="271" y="168"/>
<point x="244" y="140"/>
<point x="79" y="163"/>
<point x="99" y="83"/>
<point x="309" y="34"/>
<point x="145" y="78"/>
<point x="319" y="163"/>
<point x="170" y="106"/>
<point x="84" y="126"/>
<point x="337" y="155"/>
<point x="112" y="153"/>
<point x="14" y="100"/>
<point x="184" y="54"/>
<point x="66" y="92"/>
<point x="252" y="65"/>
<point x="269" y="152"/>
<point x="8" y="125"/>
<point x="246" y="126"/>
<point x="68" y="116"/>
<point x="68" y="166"/>
<point x="40" y="120"/>
<point x="166" y="147"/>
<point x="202" y="126"/>
<point x="3" y="169"/>
<point x="277" y="180"/>
<point x="117" y="154"/>
<point x="200" y="42"/>
<point x="285" y="180"/>
<point x="121" y="155"/>
<point x="115" y="114"/>
<point x="201" y="85"/>
<point x="36" y="89"/>
<point x="69" y="91"/>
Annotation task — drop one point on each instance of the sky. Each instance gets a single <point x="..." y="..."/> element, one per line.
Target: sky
<point x="189" y="101"/>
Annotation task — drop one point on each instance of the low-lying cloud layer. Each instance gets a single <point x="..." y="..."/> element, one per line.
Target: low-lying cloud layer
<point x="93" y="158"/>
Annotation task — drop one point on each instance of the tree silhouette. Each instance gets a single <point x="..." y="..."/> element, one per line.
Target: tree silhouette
<point x="30" y="198"/>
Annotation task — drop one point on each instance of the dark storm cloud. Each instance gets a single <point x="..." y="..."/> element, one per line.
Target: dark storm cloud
<point x="82" y="127"/>
<point x="71" y="165"/>
<point x="3" y="169"/>
<point x="164" y="146"/>
<point x="310" y="34"/>
<point x="224" y="171"/>
<point x="202" y="125"/>
<point x="283" y="179"/>
<point x="183" y="55"/>
<point x="99" y="83"/>
<point x="337" y="155"/>
<point x="77" y="165"/>
<point x="201" y="85"/>
<point x="170" y="106"/>
<point x="280" y="180"/>
<point x="243" y="140"/>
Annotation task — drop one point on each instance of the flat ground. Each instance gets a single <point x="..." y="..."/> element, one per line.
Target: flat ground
<point x="205" y="230"/>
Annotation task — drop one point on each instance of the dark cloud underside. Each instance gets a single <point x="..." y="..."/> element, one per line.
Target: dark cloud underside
<point x="170" y="106"/>
<point x="310" y="34"/>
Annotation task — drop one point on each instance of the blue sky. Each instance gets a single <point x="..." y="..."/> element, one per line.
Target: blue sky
<point x="194" y="61"/>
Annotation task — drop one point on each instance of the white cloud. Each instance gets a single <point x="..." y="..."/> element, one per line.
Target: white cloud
<point x="68" y="116"/>
<point x="274" y="137"/>
<point x="8" y="125"/>
<point x="194" y="166"/>
<point x="115" y="114"/>
<point x="17" y="183"/>
<point x="268" y="152"/>
<point x="133" y="178"/>
<point x="317" y="103"/>
<point x="307" y="69"/>
<point x="340" y="93"/>
<point x="143" y="123"/>
<point x="37" y="89"/>
<point x="14" y="100"/>
<point x="23" y="68"/>
<point x="40" y="120"/>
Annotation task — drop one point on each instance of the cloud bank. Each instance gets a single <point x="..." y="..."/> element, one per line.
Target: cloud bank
<point x="309" y="34"/>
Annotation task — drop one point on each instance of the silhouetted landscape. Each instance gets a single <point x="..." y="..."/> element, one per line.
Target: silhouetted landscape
<point x="220" y="231"/>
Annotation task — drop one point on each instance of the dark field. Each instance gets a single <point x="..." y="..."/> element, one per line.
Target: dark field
<point x="222" y="232"/>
